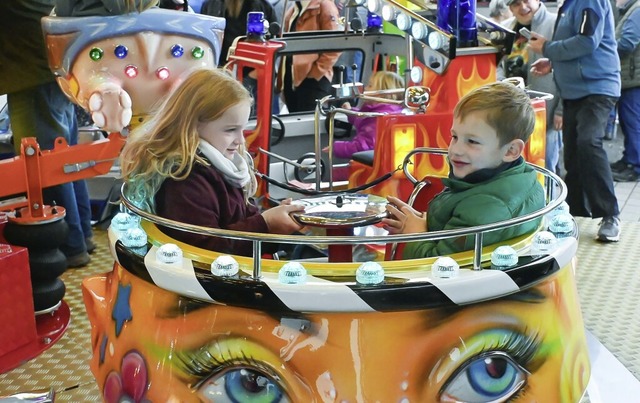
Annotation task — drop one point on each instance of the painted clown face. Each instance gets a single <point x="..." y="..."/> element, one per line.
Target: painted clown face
<point x="122" y="66"/>
<point x="153" y="345"/>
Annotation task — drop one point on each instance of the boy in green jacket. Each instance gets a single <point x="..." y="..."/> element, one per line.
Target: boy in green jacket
<point x="488" y="179"/>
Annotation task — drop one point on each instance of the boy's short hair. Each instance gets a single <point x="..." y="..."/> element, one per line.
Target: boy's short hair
<point x="507" y="109"/>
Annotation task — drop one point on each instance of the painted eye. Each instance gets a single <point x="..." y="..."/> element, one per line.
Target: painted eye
<point x="242" y="385"/>
<point x="490" y="377"/>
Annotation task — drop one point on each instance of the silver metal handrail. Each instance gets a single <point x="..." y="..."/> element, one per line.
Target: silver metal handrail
<point x="257" y="238"/>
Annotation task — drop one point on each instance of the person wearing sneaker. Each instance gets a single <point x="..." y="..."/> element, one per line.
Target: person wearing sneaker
<point x="628" y="38"/>
<point x="583" y="57"/>
<point x="38" y="107"/>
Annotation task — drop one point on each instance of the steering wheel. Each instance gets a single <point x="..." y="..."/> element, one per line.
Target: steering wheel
<point x="277" y="133"/>
<point x="308" y="175"/>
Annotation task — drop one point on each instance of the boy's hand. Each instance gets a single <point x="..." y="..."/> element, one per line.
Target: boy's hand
<point x="403" y="219"/>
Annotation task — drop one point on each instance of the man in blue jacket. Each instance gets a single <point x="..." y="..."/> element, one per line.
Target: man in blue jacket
<point x="586" y="69"/>
<point x="628" y="37"/>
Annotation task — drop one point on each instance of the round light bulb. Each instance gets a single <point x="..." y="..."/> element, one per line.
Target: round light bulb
<point x="436" y="40"/>
<point x="122" y="222"/>
<point x="225" y="266"/>
<point x="135" y="238"/>
<point x="163" y="73"/>
<point x="370" y="273"/>
<point x="504" y="257"/>
<point x="543" y="243"/>
<point x="373" y="6"/>
<point x="561" y="225"/>
<point x="169" y="253"/>
<point x="388" y="12"/>
<point x="403" y="21"/>
<point x="292" y="273"/>
<point x="445" y="267"/>
<point x="419" y="30"/>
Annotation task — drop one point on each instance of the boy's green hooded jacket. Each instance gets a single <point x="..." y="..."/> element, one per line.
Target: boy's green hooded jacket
<point x="510" y="193"/>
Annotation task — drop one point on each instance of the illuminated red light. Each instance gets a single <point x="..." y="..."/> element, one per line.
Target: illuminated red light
<point x="162" y="73"/>
<point x="131" y="71"/>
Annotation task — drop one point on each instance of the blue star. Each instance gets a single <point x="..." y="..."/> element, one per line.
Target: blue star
<point x="121" y="309"/>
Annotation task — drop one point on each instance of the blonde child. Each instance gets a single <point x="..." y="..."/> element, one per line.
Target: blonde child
<point x="488" y="179"/>
<point x="189" y="164"/>
<point x="366" y="128"/>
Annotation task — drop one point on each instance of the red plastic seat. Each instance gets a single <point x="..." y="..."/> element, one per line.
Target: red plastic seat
<point x="422" y="194"/>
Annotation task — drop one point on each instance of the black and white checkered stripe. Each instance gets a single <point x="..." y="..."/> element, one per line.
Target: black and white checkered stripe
<point x="412" y="290"/>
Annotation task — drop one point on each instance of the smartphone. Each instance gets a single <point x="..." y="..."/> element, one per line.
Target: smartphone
<point x="525" y="32"/>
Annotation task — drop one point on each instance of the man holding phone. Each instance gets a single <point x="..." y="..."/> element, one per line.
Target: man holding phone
<point x="532" y="15"/>
<point x="584" y="59"/>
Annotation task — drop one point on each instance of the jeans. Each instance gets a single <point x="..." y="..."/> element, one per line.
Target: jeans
<point x="552" y="149"/>
<point x="46" y="113"/>
<point x="589" y="181"/>
<point x="628" y="107"/>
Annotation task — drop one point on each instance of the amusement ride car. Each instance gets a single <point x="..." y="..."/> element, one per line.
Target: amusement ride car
<point x="172" y="322"/>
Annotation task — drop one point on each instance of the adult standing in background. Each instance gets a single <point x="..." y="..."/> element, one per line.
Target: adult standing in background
<point x="628" y="37"/>
<point x="499" y="11"/>
<point x="38" y="108"/>
<point x="235" y="13"/>
<point x="308" y="76"/>
<point x="534" y="15"/>
<point x="587" y="72"/>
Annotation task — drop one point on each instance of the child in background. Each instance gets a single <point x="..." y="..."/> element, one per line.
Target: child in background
<point x="188" y="163"/>
<point x="366" y="128"/>
<point x="488" y="178"/>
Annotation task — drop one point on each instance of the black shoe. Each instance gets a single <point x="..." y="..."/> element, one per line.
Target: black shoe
<point x="79" y="260"/>
<point x="619" y="165"/>
<point x="627" y="175"/>
<point x="91" y="246"/>
<point x="609" y="230"/>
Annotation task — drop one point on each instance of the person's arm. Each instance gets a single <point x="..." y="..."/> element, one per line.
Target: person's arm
<point x="197" y="200"/>
<point x="630" y="35"/>
<point x="465" y="215"/>
<point x="589" y="25"/>
<point x="364" y="139"/>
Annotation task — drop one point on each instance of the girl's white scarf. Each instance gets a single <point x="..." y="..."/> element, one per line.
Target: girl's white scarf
<point x="236" y="172"/>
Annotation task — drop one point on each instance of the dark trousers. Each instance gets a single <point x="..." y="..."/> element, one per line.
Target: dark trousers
<point x="628" y="107"/>
<point x="588" y="178"/>
<point x="46" y="113"/>
<point x="303" y="98"/>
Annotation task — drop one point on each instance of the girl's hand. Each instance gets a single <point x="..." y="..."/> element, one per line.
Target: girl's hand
<point x="346" y="105"/>
<point x="279" y="220"/>
<point x="403" y="219"/>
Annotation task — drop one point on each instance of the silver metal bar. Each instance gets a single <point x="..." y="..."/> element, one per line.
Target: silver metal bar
<point x="477" y="251"/>
<point x="257" y="260"/>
